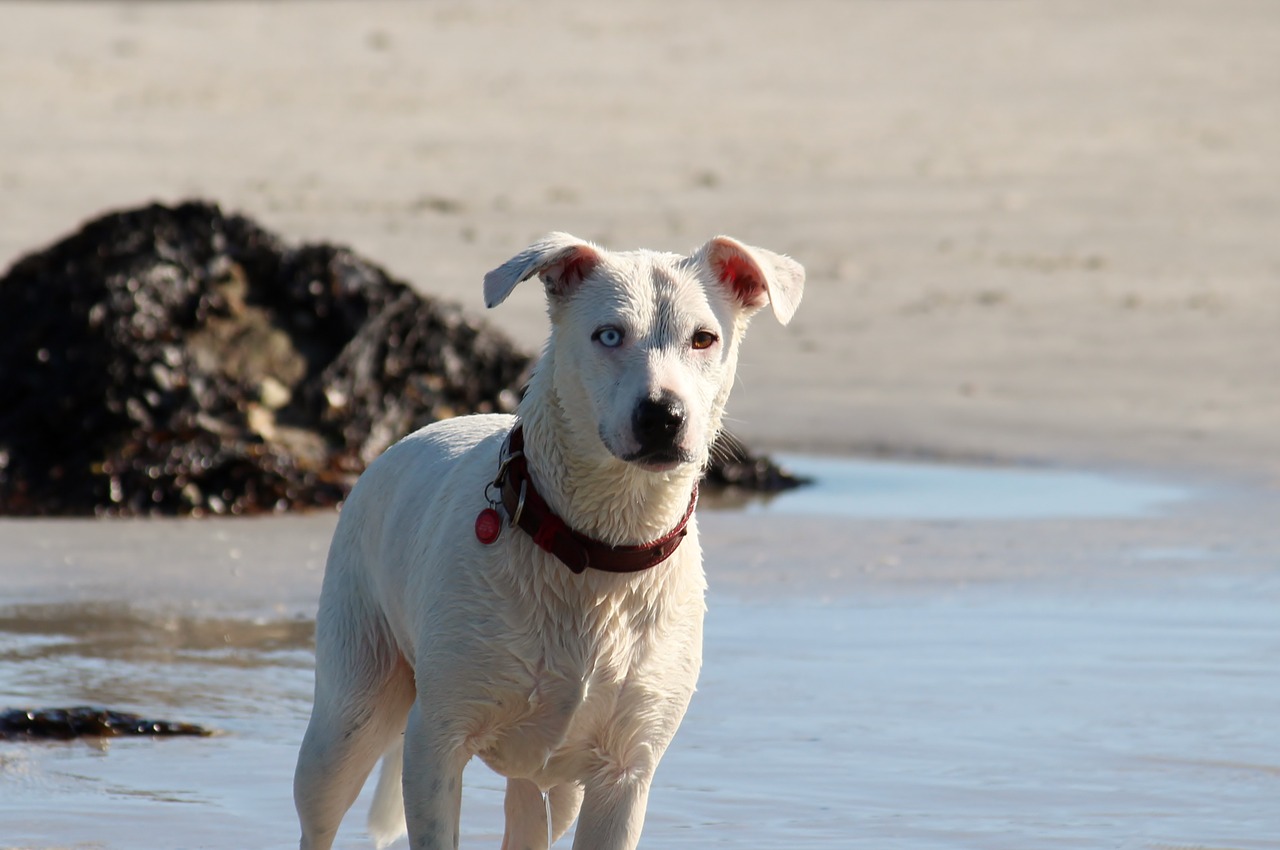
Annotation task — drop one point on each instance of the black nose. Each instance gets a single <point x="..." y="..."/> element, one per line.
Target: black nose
<point x="657" y="422"/>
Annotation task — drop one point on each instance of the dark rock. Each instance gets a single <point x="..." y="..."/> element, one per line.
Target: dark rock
<point x="177" y="360"/>
<point x="84" y="721"/>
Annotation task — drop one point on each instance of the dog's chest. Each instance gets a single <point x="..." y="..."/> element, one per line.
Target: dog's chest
<point x="567" y="698"/>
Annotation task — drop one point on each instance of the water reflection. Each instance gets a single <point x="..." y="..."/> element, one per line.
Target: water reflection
<point x="119" y="631"/>
<point x="122" y="656"/>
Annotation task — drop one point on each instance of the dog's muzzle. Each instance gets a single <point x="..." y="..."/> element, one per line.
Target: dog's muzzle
<point x="658" y="425"/>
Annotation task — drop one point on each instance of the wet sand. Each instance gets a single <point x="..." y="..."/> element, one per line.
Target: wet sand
<point x="1036" y="234"/>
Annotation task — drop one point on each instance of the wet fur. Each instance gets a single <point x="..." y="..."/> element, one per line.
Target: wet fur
<point x="429" y="641"/>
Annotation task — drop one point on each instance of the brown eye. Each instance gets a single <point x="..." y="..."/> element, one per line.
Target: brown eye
<point x="704" y="339"/>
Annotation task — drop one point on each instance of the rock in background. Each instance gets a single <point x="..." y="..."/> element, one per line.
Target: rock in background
<point x="183" y="361"/>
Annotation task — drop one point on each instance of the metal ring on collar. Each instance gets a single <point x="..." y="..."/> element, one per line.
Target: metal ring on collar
<point x="515" y="518"/>
<point x="502" y="467"/>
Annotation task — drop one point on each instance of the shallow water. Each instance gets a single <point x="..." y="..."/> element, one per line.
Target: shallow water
<point x="893" y="490"/>
<point x="987" y="718"/>
<point x="990" y="718"/>
<point x="1136" y="709"/>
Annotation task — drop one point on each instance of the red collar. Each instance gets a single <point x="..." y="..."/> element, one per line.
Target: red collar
<point x="577" y="551"/>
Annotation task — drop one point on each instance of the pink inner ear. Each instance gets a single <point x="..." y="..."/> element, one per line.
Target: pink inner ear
<point x="573" y="269"/>
<point x="742" y="277"/>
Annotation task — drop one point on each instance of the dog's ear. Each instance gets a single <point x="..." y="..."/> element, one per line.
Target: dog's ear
<point x="754" y="276"/>
<point x="561" y="260"/>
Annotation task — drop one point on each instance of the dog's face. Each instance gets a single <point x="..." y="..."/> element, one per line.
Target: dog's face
<point x="654" y="351"/>
<point x="647" y="343"/>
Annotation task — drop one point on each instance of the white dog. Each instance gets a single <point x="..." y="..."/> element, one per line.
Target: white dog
<point x="529" y="589"/>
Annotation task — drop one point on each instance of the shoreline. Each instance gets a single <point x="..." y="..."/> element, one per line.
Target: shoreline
<point x="269" y="568"/>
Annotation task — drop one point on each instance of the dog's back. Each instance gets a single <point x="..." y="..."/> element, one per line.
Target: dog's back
<point x="403" y="517"/>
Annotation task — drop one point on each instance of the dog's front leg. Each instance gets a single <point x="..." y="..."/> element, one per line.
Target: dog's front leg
<point x="432" y="784"/>
<point x="613" y="815"/>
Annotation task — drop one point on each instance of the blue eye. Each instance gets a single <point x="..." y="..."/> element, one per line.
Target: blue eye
<point x="608" y="336"/>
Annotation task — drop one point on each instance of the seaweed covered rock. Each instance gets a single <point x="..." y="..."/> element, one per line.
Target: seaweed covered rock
<point x="178" y="360"/>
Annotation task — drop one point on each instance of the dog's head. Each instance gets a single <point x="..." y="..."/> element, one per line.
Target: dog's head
<point x="644" y="345"/>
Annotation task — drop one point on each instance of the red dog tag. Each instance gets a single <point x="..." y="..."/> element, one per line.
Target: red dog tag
<point x="488" y="526"/>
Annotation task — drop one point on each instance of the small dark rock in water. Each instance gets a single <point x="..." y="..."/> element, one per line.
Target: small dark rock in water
<point x="84" y="721"/>
<point x="177" y="360"/>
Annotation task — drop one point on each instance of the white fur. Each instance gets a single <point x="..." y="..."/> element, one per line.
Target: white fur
<point x="569" y="684"/>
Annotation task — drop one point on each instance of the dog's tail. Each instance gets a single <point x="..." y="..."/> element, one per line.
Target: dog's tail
<point x="386" y="815"/>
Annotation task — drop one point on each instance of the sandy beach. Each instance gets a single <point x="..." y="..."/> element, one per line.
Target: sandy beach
<point x="1038" y="237"/>
<point x="1033" y="231"/>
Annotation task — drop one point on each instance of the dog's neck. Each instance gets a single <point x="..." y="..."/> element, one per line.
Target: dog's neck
<point x="592" y="491"/>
